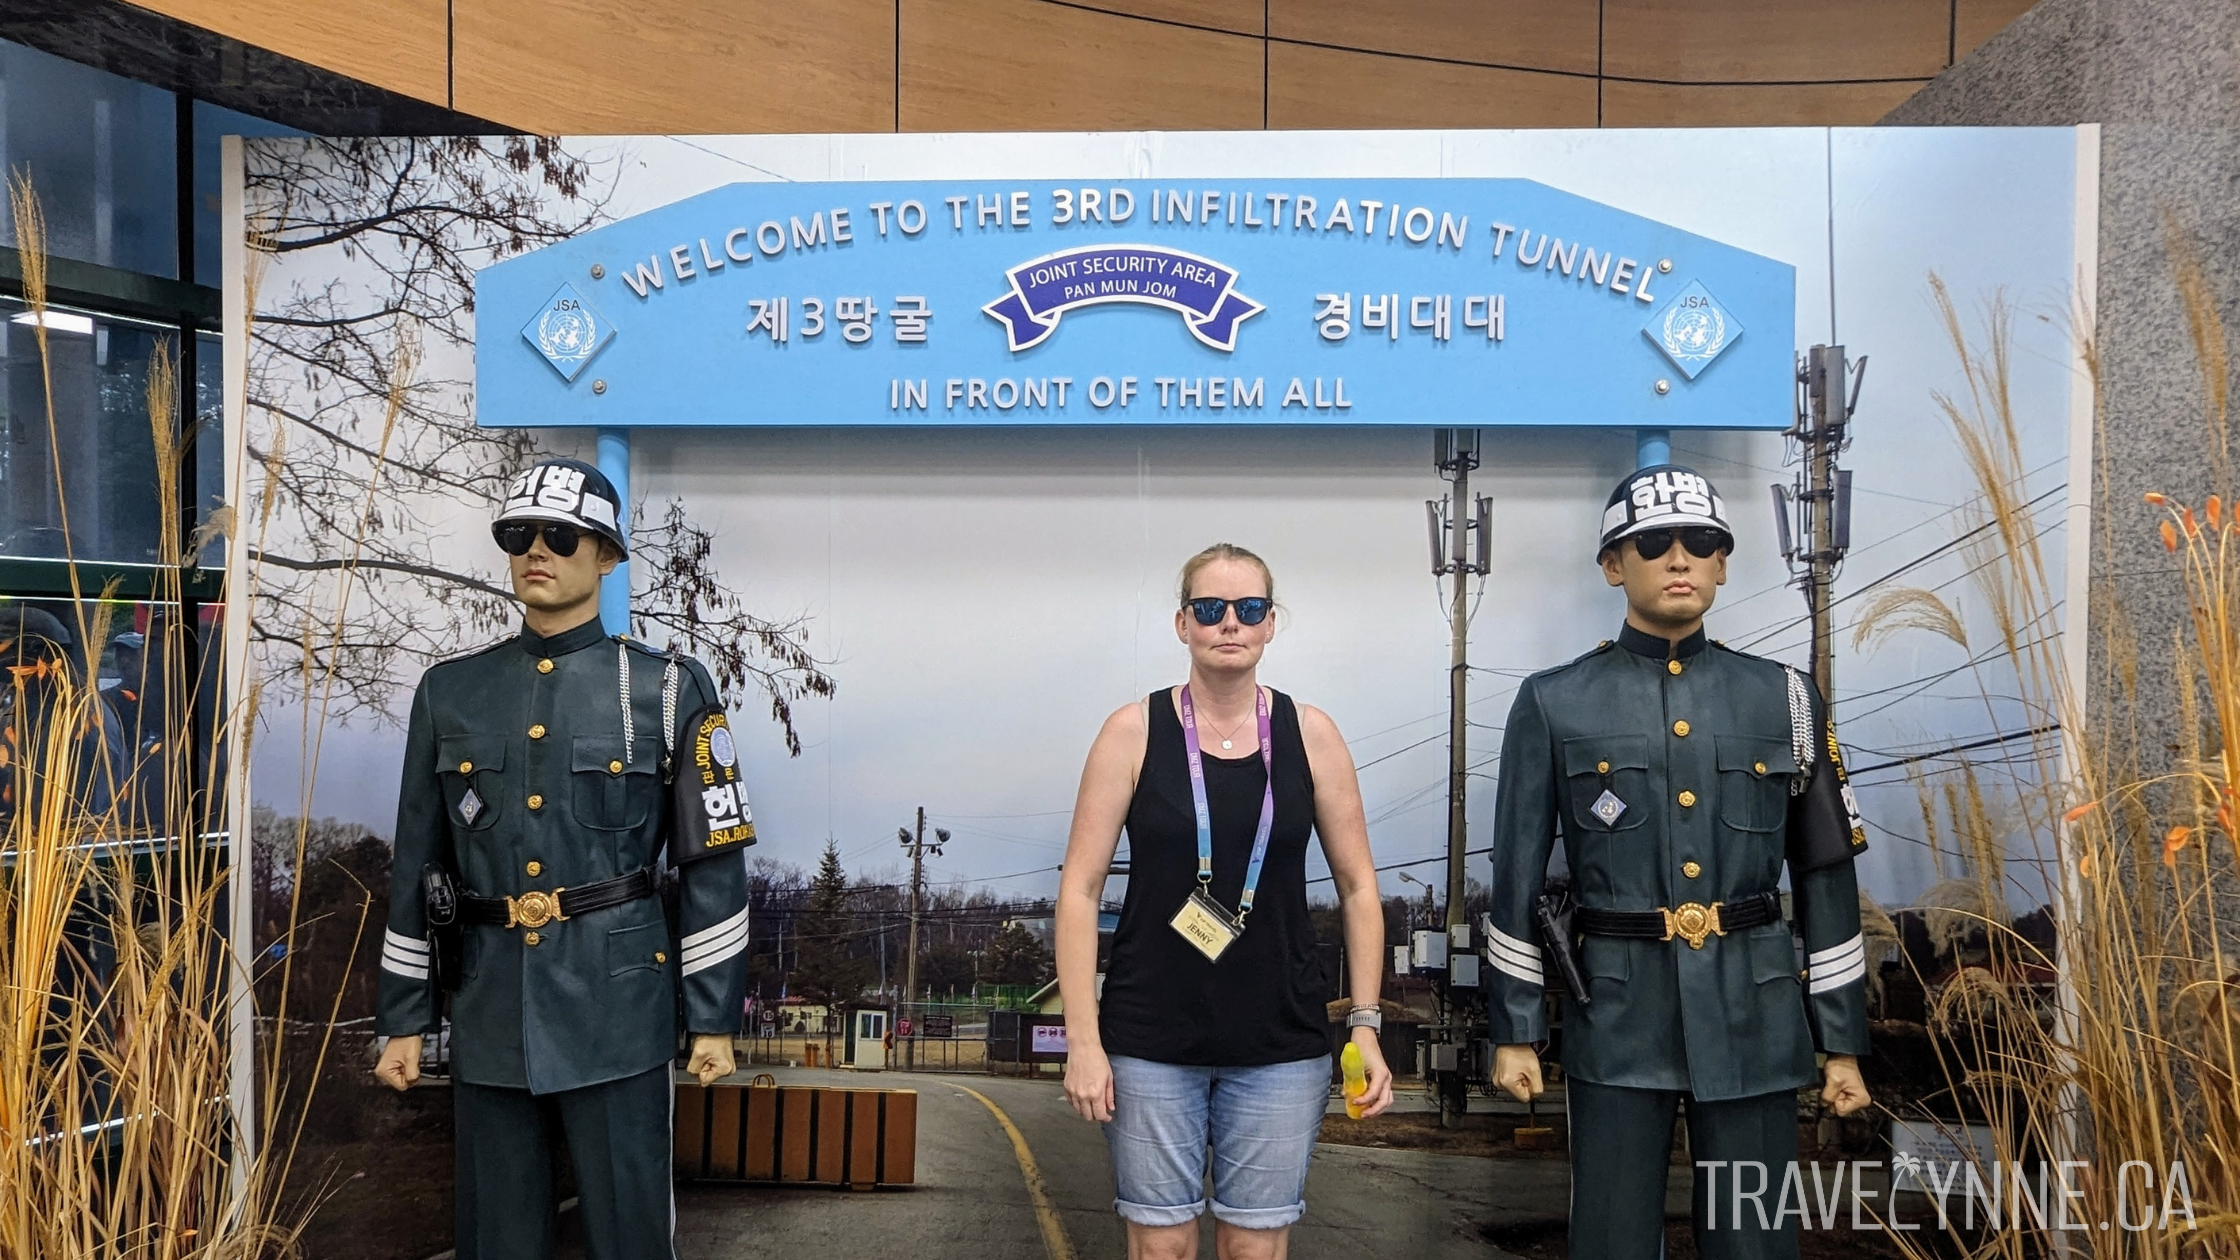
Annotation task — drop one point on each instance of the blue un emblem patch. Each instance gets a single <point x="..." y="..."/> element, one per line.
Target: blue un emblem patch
<point x="567" y="332"/>
<point x="1693" y="330"/>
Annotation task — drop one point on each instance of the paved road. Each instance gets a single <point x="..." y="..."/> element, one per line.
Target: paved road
<point x="973" y="1199"/>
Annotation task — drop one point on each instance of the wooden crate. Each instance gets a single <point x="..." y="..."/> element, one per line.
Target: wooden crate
<point x="858" y="1138"/>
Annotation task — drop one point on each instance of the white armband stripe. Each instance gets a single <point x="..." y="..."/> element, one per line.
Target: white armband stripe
<point x="390" y="940"/>
<point x="1528" y="958"/>
<point x="409" y="971"/>
<point x="728" y="943"/>
<point x="1508" y="964"/>
<point x="712" y="957"/>
<point x="1501" y="939"/>
<point x="707" y="936"/>
<point x="1856" y="947"/>
<point x="1823" y="981"/>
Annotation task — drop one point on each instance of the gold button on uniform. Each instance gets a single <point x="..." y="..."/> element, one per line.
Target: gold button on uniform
<point x="535" y="869"/>
<point x="466" y="767"/>
<point x="1760" y="767"/>
<point x="537" y="731"/>
<point x="545" y="666"/>
<point x="614" y="767"/>
<point x="1602" y="767"/>
<point x="1691" y="870"/>
<point x="1680" y="728"/>
<point x="530" y="938"/>
<point x="1672" y="667"/>
<point x="1687" y="800"/>
<point x="660" y="957"/>
<point x="537" y="802"/>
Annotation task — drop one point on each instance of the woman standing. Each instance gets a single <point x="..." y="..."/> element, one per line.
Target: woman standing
<point x="1211" y="1028"/>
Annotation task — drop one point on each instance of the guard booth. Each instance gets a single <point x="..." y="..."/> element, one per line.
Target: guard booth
<point x="865" y="1046"/>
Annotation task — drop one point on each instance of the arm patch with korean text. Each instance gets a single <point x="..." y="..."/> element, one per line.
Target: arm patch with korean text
<point x="712" y="814"/>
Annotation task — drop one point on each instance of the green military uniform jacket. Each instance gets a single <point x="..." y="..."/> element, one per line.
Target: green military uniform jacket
<point x="1696" y="741"/>
<point x="522" y="774"/>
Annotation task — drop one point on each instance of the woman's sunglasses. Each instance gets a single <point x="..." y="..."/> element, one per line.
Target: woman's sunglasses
<point x="1702" y="541"/>
<point x="516" y="537"/>
<point x="1251" y="610"/>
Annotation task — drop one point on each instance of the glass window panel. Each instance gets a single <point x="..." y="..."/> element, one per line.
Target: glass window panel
<point x="102" y="157"/>
<point x="210" y="441"/>
<point x="212" y="123"/>
<point x="117" y="644"/>
<point x="99" y="429"/>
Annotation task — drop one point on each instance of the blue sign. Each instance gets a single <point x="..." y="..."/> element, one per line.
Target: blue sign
<point x="1413" y="301"/>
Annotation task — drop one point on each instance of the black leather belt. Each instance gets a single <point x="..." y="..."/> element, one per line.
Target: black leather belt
<point x="1691" y="922"/>
<point x="535" y="909"/>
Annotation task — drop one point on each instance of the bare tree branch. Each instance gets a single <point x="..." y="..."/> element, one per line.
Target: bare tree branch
<point x="401" y="226"/>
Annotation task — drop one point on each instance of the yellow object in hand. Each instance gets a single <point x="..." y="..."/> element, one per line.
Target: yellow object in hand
<point x="1357" y="1079"/>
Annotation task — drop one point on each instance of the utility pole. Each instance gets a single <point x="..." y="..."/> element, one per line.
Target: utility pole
<point x="917" y="846"/>
<point x="1461" y="529"/>
<point x="1455" y="522"/>
<point x="1820" y="497"/>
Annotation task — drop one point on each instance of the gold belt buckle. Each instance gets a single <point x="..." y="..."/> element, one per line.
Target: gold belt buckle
<point x="535" y="909"/>
<point x="1692" y="922"/>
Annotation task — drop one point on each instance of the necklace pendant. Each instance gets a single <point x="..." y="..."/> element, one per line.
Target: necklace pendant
<point x="1227" y="744"/>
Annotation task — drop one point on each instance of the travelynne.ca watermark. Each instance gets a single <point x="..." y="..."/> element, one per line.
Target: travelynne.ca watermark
<point x="1995" y="1195"/>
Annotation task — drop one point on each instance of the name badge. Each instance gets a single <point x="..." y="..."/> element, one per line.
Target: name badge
<point x="1206" y="925"/>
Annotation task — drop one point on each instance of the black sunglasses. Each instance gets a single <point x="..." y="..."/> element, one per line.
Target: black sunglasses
<point x="516" y="537"/>
<point x="1702" y="541"/>
<point x="1251" y="610"/>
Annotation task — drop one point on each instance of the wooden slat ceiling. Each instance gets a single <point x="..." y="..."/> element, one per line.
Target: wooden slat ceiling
<point x="588" y="66"/>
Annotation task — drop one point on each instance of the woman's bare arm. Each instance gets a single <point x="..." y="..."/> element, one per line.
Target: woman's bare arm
<point x="1108" y="783"/>
<point x="1339" y="820"/>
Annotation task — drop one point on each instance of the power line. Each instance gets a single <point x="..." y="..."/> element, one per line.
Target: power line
<point x="1903" y="569"/>
<point x="1986" y="742"/>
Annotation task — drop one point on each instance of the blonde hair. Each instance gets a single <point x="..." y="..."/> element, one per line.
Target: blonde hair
<point x="1221" y="551"/>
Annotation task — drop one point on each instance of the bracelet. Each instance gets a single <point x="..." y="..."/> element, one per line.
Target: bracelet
<point x="1365" y="1017"/>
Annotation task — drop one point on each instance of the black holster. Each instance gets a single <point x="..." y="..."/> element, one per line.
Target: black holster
<point x="1553" y="910"/>
<point x="439" y="900"/>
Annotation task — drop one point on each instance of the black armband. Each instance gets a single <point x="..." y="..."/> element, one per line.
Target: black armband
<point x="711" y="811"/>
<point x="1824" y="823"/>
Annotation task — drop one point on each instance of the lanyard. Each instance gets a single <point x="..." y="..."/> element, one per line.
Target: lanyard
<point x="1205" y="816"/>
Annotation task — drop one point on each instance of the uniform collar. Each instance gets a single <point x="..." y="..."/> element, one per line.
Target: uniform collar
<point x="570" y="640"/>
<point x="1657" y="647"/>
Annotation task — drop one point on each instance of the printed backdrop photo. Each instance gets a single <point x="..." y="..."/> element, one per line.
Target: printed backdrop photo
<point x="925" y="571"/>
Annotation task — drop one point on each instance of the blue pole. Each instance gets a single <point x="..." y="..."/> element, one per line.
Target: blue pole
<point x="1651" y="447"/>
<point x="614" y="592"/>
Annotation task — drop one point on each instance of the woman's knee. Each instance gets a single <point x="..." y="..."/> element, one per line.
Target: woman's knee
<point x="1162" y="1242"/>
<point x="1234" y="1242"/>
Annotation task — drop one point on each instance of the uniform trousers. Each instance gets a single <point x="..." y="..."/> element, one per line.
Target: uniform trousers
<point x="1621" y="1147"/>
<point x="618" y="1136"/>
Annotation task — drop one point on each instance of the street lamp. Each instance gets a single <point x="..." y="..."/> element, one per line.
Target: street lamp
<point x="1430" y="911"/>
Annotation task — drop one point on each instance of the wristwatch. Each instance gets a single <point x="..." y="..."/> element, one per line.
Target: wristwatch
<point x="1365" y="1017"/>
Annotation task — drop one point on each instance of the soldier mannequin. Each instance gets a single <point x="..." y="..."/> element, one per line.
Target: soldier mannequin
<point x="567" y="1003"/>
<point x="1681" y="775"/>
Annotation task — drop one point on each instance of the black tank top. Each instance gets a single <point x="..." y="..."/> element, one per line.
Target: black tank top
<point x="1263" y="1000"/>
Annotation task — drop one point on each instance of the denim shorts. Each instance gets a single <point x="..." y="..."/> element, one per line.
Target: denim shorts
<point x="1261" y="1123"/>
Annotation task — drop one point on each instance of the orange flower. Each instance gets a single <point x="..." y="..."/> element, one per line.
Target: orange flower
<point x="2169" y="536"/>
<point x="2080" y="811"/>
<point x="2192" y="530"/>
<point x="2216" y="506"/>
<point x="2084" y="866"/>
<point x="2156" y="498"/>
<point x="2224" y="817"/>
<point x="2173" y="841"/>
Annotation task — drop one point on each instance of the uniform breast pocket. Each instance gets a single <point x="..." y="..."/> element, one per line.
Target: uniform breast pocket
<point x="611" y="793"/>
<point x="1608" y="778"/>
<point x="1754" y="776"/>
<point x="468" y="767"/>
